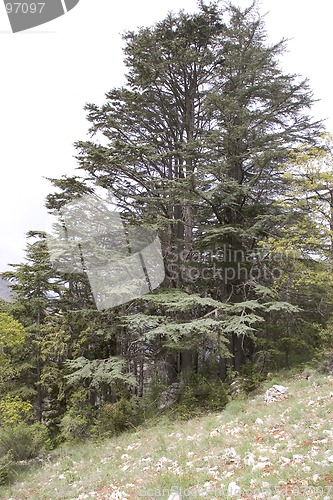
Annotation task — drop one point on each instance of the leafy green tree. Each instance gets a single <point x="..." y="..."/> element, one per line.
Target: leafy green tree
<point x="12" y="341"/>
<point x="302" y="237"/>
<point x="11" y="333"/>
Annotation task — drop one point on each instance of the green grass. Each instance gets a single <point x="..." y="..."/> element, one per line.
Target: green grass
<point x="288" y="454"/>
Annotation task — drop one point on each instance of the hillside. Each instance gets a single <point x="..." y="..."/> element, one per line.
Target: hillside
<point x="276" y="444"/>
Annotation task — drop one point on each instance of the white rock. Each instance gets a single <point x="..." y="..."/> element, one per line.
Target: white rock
<point x="233" y="489"/>
<point x="259" y="466"/>
<point x="275" y="393"/>
<point x="174" y="496"/>
<point x="230" y="455"/>
<point x="208" y="485"/>
<point x="330" y="459"/>
<point x="259" y="421"/>
<point x="280" y="388"/>
<point x="249" y="460"/>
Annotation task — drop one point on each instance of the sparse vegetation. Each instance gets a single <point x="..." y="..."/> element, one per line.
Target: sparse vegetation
<point x="282" y="448"/>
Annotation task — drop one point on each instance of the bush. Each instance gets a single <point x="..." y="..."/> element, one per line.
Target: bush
<point x="146" y="407"/>
<point x="75" y="426"/>
<point x="14" y="410"/>
<point x="6" y="464"/>
<point x="79" y="417"/>
<point x="217" y="396"/>
<point x="199" y="393"/>
<point x="24" y="441"/>
<point x="188" y="406"/>
<point x="115" y="418"/>
<point x="250" y="378"/>
<point x="325" y="362"/>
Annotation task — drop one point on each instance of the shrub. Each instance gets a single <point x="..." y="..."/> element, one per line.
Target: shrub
<point x="217" y="396"/>
<point x="79" y="417"/>
<point x="6" y="463"/>
<point x="325" y="363"/>
<point x="75" y="426"/>
<point x="24" y="441"/>
<point x="198" y="392"/>
<point x="115" y="418"/>
<point x="14" y="410"/>
<point x="250" y="377"/>
<point x="188" y="406"/>
<point x="147" y="406"/>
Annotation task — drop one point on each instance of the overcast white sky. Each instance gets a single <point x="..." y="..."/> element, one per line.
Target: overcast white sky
<point x="49" y="73"/>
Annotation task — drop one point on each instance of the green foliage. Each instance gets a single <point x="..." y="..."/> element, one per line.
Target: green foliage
<point x="14" y="410"/>
<point x="79" y="417"/>
<point x="6" y="465"/>
<point x="250" y="378"/>
<point x="199" y="393"/>
<point x="324" y="362"/>
<point x="98" y="371"/>
<point x="188" y="406"/>
<point x="114" y="418"/>
<point x="24" y="441"/>
<point x="11" y="333"/>
<point x="147" y="405"/>
<point x="217" y="396"/>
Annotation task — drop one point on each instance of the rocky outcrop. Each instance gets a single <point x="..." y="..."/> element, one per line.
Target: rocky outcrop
<point x="169" y="397"/>
<point x="275" y="393"/>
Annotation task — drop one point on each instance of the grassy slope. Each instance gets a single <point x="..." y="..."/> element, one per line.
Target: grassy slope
<point x="287" y="455"/>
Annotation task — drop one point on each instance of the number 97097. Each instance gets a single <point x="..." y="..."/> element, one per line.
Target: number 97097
<point x="24" y="8"/>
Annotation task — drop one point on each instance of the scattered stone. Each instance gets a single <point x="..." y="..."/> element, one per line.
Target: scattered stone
<point x="275" y="393"/>
<point x="260" y="466"/>
<point x="233" y="489"/>
<point x="259" y="421"/>
<point x="230" y="455"/>
<point x="249" y="460"/>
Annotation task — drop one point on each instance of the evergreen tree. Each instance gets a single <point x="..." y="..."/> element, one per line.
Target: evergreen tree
<point x="37" y="294"/>
<point x="194" y="145"/>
